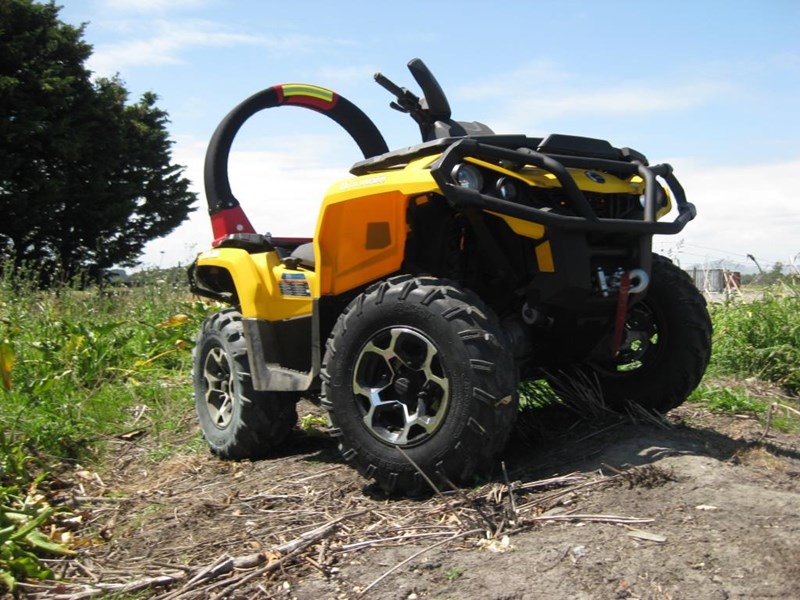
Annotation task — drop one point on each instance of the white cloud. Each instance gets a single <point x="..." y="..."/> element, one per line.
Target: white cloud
<point x="528" y="111"/>
<point x="536" y="93"/>
<point x="743" y="209"/>
<point x="151" y="6"/>
<point x="172" y="39"/>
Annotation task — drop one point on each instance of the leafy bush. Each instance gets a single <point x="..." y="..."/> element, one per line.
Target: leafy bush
<point x="760" y="338"/>
<point x="63" y="351"/>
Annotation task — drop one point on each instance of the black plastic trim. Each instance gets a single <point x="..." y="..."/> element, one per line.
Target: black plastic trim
<point x="401" y="157"/>
<point x="274" y="365"/>
<point x="253" y="243"/>
<point x="220" y="289"/>
<point x="558" y="143"/>
<point x="586" y="220"/>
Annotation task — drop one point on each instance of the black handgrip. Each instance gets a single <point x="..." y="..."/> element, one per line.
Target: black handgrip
<point x="407" y="102"/>
<point x="389" y="85"/>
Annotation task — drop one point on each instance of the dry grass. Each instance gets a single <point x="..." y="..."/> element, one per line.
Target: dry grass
<point x="307" y="515"/>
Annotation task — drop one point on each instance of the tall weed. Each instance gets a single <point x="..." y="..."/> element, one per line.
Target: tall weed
<point x="74" y="361"/>
<point x="760" y="338"/>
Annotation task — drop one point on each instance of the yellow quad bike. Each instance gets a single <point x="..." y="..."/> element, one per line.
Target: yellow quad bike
<point x="439" y="277"/>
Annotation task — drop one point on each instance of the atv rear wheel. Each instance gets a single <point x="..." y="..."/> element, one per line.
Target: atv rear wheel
<point x="237" y="421"/>
<point x="666" y="345"/>
<point x="418" y="375"/>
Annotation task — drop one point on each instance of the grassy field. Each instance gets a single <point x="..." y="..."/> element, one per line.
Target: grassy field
<point x="755" y="343"/>
<point x="77" y="367"/>
<point x="81" y="366"/>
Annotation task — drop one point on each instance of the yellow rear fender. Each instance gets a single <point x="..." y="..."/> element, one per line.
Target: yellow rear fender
<point x="259" y="284"/>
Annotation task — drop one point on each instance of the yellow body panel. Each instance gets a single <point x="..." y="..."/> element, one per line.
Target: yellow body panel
<point x="536" y="231"/>
<point x="541" y="178"/>
<point x="544" y="256"/>
<point x="612" y="184"/>
<point x="361" y="238"/>
<point x="521" y="227"/>
<point x="257" y="278"/>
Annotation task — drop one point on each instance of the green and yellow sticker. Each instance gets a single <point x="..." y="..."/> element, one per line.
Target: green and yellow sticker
<point x="313" y="91"/>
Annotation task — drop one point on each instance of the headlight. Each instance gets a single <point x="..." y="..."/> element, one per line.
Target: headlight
<point x="661" y="198"/>
<point x="507" y="189"/>
<point x="467" y="176"/>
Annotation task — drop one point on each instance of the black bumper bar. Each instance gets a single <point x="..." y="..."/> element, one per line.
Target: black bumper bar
<point x="585" y="218"/>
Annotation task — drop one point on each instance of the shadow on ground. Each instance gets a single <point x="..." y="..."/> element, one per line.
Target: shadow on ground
<point x="554" y="440"/>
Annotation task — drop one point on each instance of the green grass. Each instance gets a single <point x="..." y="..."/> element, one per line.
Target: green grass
<point x="728" y="399"/>
<point x="536" y="394"/>
<point x="760" y="338"/>
<point x="23" y="515"/>
<point x="731" y="398"/>
<point x="77" y="367"/>
<point x="77" y="363"/>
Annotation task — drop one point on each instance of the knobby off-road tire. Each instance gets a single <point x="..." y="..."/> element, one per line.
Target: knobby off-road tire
<point x="666" y="348"/>
<point x="417" y="369"/>
<point x="237" y="421"/>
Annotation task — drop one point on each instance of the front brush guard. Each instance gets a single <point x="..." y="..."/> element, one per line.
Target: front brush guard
<point x="585" y="219"/>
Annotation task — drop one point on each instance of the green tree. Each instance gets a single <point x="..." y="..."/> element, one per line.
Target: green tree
<point x="86" y="178"/>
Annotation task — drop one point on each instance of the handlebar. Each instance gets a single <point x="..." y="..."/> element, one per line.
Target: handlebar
<point x="406" y="102"/>
<point x="426" y="111"/>
<point x="390" y="85"/>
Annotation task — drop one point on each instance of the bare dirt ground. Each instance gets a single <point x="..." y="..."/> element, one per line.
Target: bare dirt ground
<point x="697" y="506"/>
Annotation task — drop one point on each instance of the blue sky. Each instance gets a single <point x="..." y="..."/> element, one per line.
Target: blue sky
<point x="711" y="87"/>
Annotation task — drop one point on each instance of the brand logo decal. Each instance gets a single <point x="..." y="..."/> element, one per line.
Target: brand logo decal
<point x="346" y="185"/>
<point x="595" y="176"/>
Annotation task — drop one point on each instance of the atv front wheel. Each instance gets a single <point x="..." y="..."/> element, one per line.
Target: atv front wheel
<point x="418" y="376"/>
<point x="237" y="421"/>
<point x="665" y="348"/>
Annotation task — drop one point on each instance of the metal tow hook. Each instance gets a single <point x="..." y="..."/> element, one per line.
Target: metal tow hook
<point x="639" y="280"/>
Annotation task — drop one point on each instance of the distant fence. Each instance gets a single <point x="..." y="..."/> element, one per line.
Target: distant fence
<point x="716" y="281"/>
